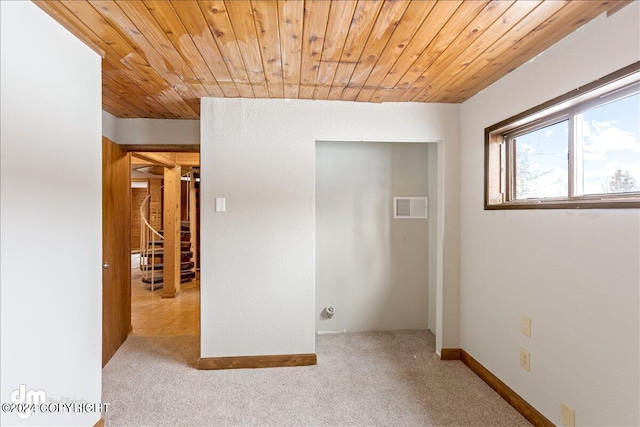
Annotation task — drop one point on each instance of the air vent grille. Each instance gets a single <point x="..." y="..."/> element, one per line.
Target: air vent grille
<point x="410" y="207"/>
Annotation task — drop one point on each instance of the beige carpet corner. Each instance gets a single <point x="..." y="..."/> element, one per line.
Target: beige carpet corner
<point x="362" y="379"/>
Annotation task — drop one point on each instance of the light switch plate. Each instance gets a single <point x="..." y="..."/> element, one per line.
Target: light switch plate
<point x="567" y="415"/>
<point x="221" y="204"/>
<point x="525" y="326"/>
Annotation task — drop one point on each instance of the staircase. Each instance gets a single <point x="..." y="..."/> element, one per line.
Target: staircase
<point x="152" y="246"/>
<point x="152" y="260"/>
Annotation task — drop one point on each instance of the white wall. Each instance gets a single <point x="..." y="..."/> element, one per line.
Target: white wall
<point x="371" y="267"/>
<point x="258" y="272"/>
<point x="110" y="126"/>
<point x="158" y="132"/>
<point x="574" y="272"/>
<point x="51" y="214"/>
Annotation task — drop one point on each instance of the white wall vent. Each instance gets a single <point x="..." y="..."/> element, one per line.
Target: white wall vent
<point x="410" y="207"/>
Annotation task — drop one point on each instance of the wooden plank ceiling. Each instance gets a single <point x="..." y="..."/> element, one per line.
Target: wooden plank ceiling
<point x="161" y="57"/>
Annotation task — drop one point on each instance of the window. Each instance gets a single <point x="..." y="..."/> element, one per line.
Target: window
<point x="580" y="150"/>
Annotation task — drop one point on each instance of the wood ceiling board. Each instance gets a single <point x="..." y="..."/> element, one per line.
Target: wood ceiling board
<point x="114" y="107"/>
<point x="621" y="5"/>
<point x="430" y="27"/>
<point x="115" y="112"/>
<point x="362" y="23"/>
<point x="316" y="14"/>
<point x="193" y="20"/>
<point x="167" y="19"/>
<point x="161" y="57"/>
<point x="109" y="71"/>
<point x="113" y="89"/>
<point x="142" y="18"/>
<point x="411" y="21"/>
<point x="529" y="23"/>
<point x="126" y="105"/>
<point x="563" y="22"/>
<point x="388" y="19"/>
<point x="117" y="66"/>
<point x="125" y="52"/>
<point x="190" y="90"/>
<point x="454" y="26"/>
<point x="290" y="21"/>
<point x="340" y="17"/>
<point x="516" y="13"/>
<point x="215" y="14"/>
<point x="241" y="16"/>
<point x="474" y="31"/>
<point x="551" y="35"/>
<point x="266" y="19"/>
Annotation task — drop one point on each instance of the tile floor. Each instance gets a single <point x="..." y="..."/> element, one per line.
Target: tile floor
<point x="152" y="315"/>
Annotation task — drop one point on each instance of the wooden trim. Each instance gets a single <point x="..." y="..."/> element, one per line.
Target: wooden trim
<point x="450" y="354"/>
<point x="242" y="362"/>
<point x="159" y="159"/>
<point x="188" y="159"/>
<point x="135" y="161"/>
<point x="611" y="203"/>
<point x="520" y="405"/>
<point x="100" y="423"/>
<point x="616" y="75"/>
<point x="171" y="225"/>
<point x="165" y="148"/>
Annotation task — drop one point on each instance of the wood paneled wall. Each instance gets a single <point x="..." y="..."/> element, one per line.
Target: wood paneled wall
<point x="137" y="197"/>
<point x="155" y="203"/>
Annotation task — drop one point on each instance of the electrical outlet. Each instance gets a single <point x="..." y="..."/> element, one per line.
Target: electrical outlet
<point x="525" y="360"/>
<point x="525" y="326"/>
<point x="567" y="415"/>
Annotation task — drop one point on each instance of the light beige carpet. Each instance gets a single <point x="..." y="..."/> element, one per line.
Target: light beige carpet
<point x="372" y="379"/>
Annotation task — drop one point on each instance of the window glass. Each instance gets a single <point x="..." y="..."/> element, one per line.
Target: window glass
<point x="611" y="147"/>
<point x="541" y="168"/>
<point x="580" y="150"/>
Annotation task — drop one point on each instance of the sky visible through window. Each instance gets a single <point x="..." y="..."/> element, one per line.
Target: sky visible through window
<point x="611" y="143"/>
<point x="609" y="137"/>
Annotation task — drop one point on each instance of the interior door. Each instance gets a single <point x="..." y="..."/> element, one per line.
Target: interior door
<point x="116" y="248"/>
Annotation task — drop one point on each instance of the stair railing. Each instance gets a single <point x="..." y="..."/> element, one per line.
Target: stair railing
<point x="149" y="235"/>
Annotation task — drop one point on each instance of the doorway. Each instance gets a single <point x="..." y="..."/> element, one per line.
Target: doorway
<point x="392" y="279"/>
<point x="154" y="311"/>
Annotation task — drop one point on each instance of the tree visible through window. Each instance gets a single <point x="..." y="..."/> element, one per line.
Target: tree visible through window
<point x="541" y="162"/>
<point x="622" y="183"/>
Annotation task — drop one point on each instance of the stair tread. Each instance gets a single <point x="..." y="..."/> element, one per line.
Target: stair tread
<point x="160" y="266"/>
<point x="161" y="251"/>
<point x="157" y="243"/>
<point x="159" y="280"/>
